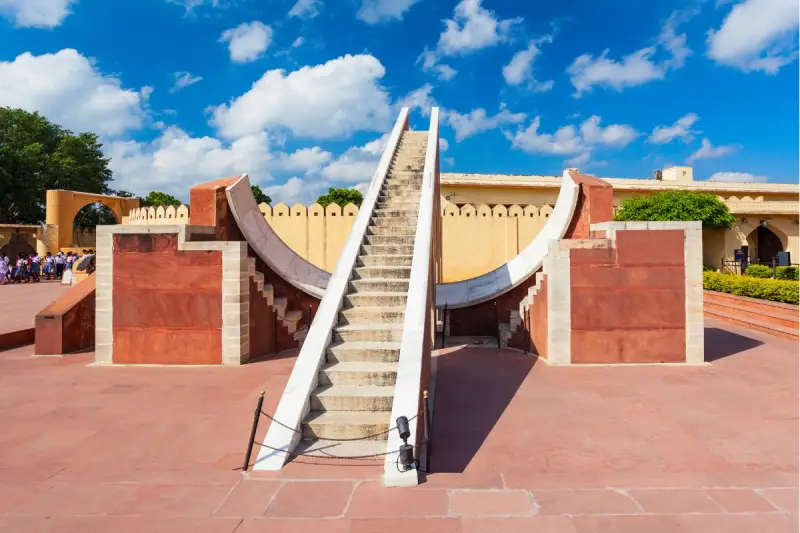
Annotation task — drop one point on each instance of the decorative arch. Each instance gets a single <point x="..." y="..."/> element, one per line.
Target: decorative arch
<point x="765" y="242"/>
<point x="62" y="206"/>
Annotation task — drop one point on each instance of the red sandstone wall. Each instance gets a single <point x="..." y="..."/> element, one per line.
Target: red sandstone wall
<point x="167" y="303"/>
<point x="595" y="204"/>
<point x="628" y="302"/>
<point x="67" y="324"/>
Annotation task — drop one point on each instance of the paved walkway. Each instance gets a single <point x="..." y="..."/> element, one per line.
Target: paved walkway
<point x="20" y="302"/>
<point x="520" y="446"/>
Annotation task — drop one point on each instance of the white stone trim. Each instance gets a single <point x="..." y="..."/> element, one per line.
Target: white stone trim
<point x="235" y="290"/>
<point x="408" y="387"/>
<point x="559" y="305"/>
<point x="294" y="403"/>
<point x="504" y="278"/>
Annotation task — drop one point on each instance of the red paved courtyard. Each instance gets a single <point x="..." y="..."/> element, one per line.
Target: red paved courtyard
<point x="20" y="302"/>
<point x="520" y="447"/>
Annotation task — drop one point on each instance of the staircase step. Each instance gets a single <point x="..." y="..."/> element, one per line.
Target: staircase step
<point x="329" y="451"/>
<point x="346" y="424"/>
<point x="391" y="230"/>
<point x="364" y="351"/>
<point x="394" y="213"/>
<point x="379" y="285"/>
<point x="750" y="323"/>
<point x="368" y="333"/>
<point x="376" y="299"/>
<point x="384" y="260"/>
<point x="353" y="398"/>
<point x="747" y="312"/>
<point x="387" y="249"/>
<point x="359" y="373"/>
<point x="366" y="315"/>
<point x="404" y="220"/>
<point x="389" y="239"/>
<point x="383" y="272"/>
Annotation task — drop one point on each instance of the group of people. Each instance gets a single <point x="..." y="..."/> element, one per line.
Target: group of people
<point x="29" y="268"/>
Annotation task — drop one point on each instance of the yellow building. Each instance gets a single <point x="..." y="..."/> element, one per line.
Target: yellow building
<point x="490" y="218"/>
<point x="766" y="213"/>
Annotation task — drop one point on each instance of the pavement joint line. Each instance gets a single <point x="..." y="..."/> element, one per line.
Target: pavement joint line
<point x="350" y="499"/>
<point x="625" y="493"/>
<point x="271" y="499"/>
<point x="760" y="492"/>
<point x="225" y="498"/>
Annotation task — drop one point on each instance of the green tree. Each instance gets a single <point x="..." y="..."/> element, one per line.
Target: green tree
<point x="341" y="197"/>
<point x="259" y="195"/>
<point x="37" y="155"/>
<point x="156" y="198"/>
<point x="677" y="205"/>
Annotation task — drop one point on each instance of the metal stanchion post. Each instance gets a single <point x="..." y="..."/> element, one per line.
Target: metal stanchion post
<point x="426" y="413"/>
<point x="253" y="430"/>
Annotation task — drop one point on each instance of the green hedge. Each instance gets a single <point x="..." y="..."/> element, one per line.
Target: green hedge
<point x="758" y="271"/>
<point x="789" y="272"/>
<point x="775" y="290"/>
<point x="709" y="268"/>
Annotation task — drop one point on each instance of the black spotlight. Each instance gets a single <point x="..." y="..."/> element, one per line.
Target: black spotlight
<point x="406" y="452"/>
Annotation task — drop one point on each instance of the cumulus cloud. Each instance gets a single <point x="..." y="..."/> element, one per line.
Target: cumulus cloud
<point x="519" y="70"/>
<point x="68" y="89"/>
<point x="681" y="129"/>
<point x="305" y="9"/>
<point x="709" y="151"/>
<point x="472" y="28"/>
<point x="174" y="161"/>
<point x="190" y="5"/>
<point x="247" y="41"/>
<point x="306" y="160"/>
<point x="588" y="71"/>
<point x="36" y="13"/>
<point x="477" y="121"/>
<point x="443" y="144"/>
<point x="757" y="35"/>
<point x="741" y="177"/>
<point x="419" y="99"/>
<point x="183" y="80"/>
<point x="356" y="164"/>
<point x="577" y="142"/>
<point x="376" y="11"/>
<point x="330" y="100"/>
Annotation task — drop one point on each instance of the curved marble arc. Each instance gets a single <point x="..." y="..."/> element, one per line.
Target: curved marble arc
<point x="504" y="278"/>
<point x="300" y="273"/>
<point x="268" y="245"/>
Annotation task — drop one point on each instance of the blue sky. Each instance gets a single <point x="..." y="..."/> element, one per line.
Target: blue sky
<point x="299" y="93"/>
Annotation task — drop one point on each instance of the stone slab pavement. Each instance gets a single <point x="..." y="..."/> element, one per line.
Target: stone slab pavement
<point x="20" y="302"/>
<point x="519" y="446"/>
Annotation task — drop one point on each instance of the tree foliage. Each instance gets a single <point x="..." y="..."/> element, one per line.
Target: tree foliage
<point x="156" y="198"/>
<point x="677" y="205"/>
<point x="341" y="197"/>
<point x="259" y="195"/>
<point x="37" y="155"/>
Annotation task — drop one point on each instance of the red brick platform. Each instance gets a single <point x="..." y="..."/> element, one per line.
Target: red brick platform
<point x="520" y="446"/>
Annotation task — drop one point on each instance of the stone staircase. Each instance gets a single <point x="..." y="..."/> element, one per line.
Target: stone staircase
<point x="290" y="319"/>
<point x="356" y="384"/>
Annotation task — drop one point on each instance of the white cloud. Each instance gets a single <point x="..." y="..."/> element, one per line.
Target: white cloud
<point x="737" y="177"/>
<point x="189" y="5"/>
<point x="298" y="42"/>
<point x="306" y="160"/>
<point x="305" y="9"/>
<point x="183" y="80"/>
<point x="636" y="68"/>
<point x="709" y="151"/>
<point x="36" y="13"/>
<point x="174" y="161"/>
<point x="247" y="41"/>
<point x="443" y="144"/>
<point x="67" y="88"/>
<point x="617" y="135"/>
<point x="472" y="28"/>
<point x="419" y="99"/>
<point x="520" y="69"/>
<point x="330" y="100"/>
<point x="449" y="161"/>
<point x="375" y="11"/>
<point x="356" y="163"/>
<point x="757" y="35"/>
<point x="430" y="63"/>
<point x="296" y="191"/>
<point x="571" y="141"/>
<point x="477" y="121"/>
<point x="682" y="129"/>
